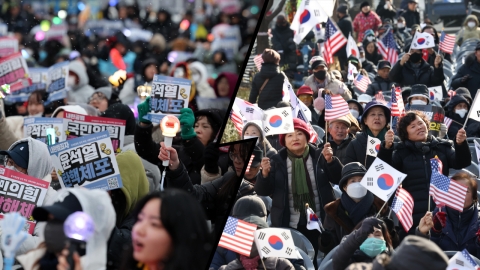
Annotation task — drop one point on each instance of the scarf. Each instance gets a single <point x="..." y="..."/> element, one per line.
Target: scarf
<point x="249" y="263"/>
<point x="381" y="134"/>
<point x="301" y="185"/>
<point x="357" y="211"/>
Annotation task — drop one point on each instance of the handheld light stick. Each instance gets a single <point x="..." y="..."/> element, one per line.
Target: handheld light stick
<point x="169" y="125"/>
<point x="12" y="237"/>
<point x="79" y="228"/>
<point x="50" y="136"/>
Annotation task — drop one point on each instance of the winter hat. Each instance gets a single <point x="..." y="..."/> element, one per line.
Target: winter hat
<point x="256" y="123"/>
<point x="342" y="9"/>
<point x="283" y="104"/>
<point x="60" y="210"/>
<point x="406" y="92"/>
<point x="364" y="4"/>
<point x="251" y="209"/>
<point x="319" y="103"/>
<point x="297" y="124"/>
<point x="304" y="90"/>
<point x="419" y="90"/>
<point x="148" y="62"/>
<point x="462" y="91"/>
<point x="369" y="32"/>
<point x="106" y="90"/>
<point x="70" y="108"/>
<point x="360" y="112"/>
<point x="416" y="252"/>
<point x="383" y="64"/>
<point x="342" y="119"/>
<point x="337" y="74"/>
<point x="373" y="104"/>
<point x="364" y="98"/>
<point x="350" y="170"/>
<point x="19" y="153"/>
<point x="271" y="56"/>
<point x="123" y="112"/>
<point x="317" y="61"/>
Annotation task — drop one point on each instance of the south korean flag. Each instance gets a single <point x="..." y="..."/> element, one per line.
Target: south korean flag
<point x="273" y="242"/>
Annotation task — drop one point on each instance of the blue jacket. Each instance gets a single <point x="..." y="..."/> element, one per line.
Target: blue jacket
<point x="447" y="239"/>
<point x="222" y="257"/>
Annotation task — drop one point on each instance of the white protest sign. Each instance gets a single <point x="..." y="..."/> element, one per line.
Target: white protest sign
<point x="212" y="103"/>
<point x="57" y="77"/>
<point x="8" y="46"/>
<point x="169" y="95"/>
<point x="14" y="71"/>
<point x="36" y="127"/>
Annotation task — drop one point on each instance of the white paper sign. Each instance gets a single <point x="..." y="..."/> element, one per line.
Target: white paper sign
<point x="36" y="127"/>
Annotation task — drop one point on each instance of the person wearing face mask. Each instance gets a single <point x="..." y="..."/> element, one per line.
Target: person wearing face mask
<point x="345" y="24"/>
<point x="411" y="15"/>
<point x="339" y="136"/>
<point x="412" y="69"/>
<point x="366" y="19"/>
<point x="412" y="156"/>
<point x="470" y="30"/>
<point x="355" y="204"/>
<point x="370" y="239"/>
<point x="254" y="129"/>
<point x="356" y="109"/>
<point x="282" y="42"/>
<point x="78" y="81"/>
<point x="364" y="62"/>
<point x="381" y="81"/>
<point x="401" y="36"/>
<point x="457" y="110"/>
<point x="419" y="95"/>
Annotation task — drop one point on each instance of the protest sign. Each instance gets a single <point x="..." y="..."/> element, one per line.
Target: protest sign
<point x="36" y="127"/>
<point x="56" y="32"/>
<point x="38" y="77"/>
<point x="21" y="193"/>
<point x="3" y="29"/>
<point x="435" y="116"/>
<point x="212" y="103"/>
<point x="8" y="46"/>
<point x="13" y="69"/>
<point x="82" y="125"/>
<point x="87" y="161"/>
<point x="57" y="77"/>
<point x="169" y="95"/>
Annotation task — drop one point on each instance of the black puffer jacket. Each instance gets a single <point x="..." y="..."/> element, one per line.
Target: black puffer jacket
<point x="379" y="84"/>
<point x="405" y="75"/>
<point x="472" y="68"/>
<point x="276" y="184"/>
<point x="409" y="158"/>
<point x="458" y="121"/>
<point x="272" y="92"/>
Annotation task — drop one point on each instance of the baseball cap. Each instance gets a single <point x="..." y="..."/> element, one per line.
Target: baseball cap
<point x="19" y="153"/>
<point x="60" y="210"/>
<point x="383" y="64"/>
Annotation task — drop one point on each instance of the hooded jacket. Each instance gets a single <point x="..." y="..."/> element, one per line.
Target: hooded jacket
<point x="271" y="94"/>
<point x="80" y="92"/>
<point x="201" y="84"/>
<point x="405" y="75"/>
<point x="466" y="32"/>
<point x="232" y="83"/>
<point x="334" y="85"/>
<point x="458" y="121"/>
<point x="97" y="204"/>
<point x="471" y="67"/>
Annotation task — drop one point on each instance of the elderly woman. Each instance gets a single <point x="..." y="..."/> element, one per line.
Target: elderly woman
<point x="451" y="229"/>
<point x="412" y="157"/>
<point x="300" y="173"/>
<point x="374" y="122"/>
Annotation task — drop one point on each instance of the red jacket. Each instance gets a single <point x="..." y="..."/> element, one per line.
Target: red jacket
<point x="362" y="23"/>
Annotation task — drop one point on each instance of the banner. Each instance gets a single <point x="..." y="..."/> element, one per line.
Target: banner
<point x="272" y="242"/>
<point x="169" y="95"/>
<point x="82" y="125"/>
<point x="86" y="162"/>
<point x="36" y="127"/>
<point x="278" y="121"/>
<point x="56" y="32"/>
<point x="13" y="69"/>
<point x="434" y="114"/>
<point x="38" y="78"/>
<point x="8" y="46"/>
<point x="382" y="179"/>
<point x="21" y="193"/>
<point x="57" y="77"/>
<point x="436" y="93"/>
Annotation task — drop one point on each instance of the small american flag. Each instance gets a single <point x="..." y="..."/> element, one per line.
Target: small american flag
<point x="237" y="120"/>
<point x="250" y="163"/>
<point x="436" y="165"/>
<point x="334" y="41"/>
<point x="397" y="106"/>
<point x="238" y="236"/>
<point x="403" y="206"/>
<point x="447" y="121"/>
<point x="380" y="98"/>
<point x="362" y="82"/>
<point x="335" y="107"/>
<point x="388" y="47"/>
<point x="258" y="60"/>
<point x="445" y="191"/>
<point x="446" y="43"/>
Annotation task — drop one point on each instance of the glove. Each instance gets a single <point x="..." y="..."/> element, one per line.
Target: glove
<point x="187" y="119"/>
<point x="367" y="227"/>
<point x="210" y="156"/>
<point x="439" y="221"/>
<point x="143" y="109"/>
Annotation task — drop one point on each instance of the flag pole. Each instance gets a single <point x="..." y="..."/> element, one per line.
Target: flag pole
<point x="379" y="211"/>
<point x="429" y="199"/>
<point x="473" y="104"/>
<point x="263" y="264"/>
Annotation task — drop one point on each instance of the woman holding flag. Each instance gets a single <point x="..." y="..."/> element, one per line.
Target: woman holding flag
<point x="452" y="230"/>
<point x="412" y="157"/>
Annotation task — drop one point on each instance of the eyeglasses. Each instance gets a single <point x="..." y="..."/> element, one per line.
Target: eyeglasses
<point x="235" y="156"/>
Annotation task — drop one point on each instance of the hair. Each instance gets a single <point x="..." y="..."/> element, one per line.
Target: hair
<point x="386" y="234"/>
<point x="40" y="96"/>
<point x="215" y="126"/>
<point x="261" y="136"/>
<point x="185" y="221"/>
<point x="406" y="120"/>
<point x="472" y="182"/>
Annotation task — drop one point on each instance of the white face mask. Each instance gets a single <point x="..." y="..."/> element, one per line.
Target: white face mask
<point x="370" y="38"/>
<point x="12" y="168"/>
<point x="196" y="77"/>
<point x="362" y="59"/>
<point x="418" y="102"/>
<point x="461" y="112"/>
<point x="71" y="81"/>
<point x="355" y="113"/>
<point x="471" y="24"/>
<point x="356" y="190"/>
<point x="246" y="137"/>
<point x="400" y="25"/>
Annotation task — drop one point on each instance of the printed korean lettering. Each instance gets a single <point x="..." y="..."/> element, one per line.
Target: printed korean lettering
<point x="73" y="128"/>
<point x="15" y="190"/>
<point x="166" y="99"/>
<point x="31" y="194"/>
<point x="26" y="209"/>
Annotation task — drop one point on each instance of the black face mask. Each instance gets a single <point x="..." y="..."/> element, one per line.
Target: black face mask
<point x="415" y="57"/>
<point x="320" y="74"/>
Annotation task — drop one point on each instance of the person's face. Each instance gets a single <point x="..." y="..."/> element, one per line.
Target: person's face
<point x="417" y="130"/>
<point x="376" y="119"/>
<point x="362" y="54"/>
<point x="151" y="241"/>
<point x="371" y="47"/>
<point x="150" y="71"/>
<point x="21" y="109"/>
<point x="412" y="6"/>
<point x="217" y="58"/>
<point x="383" y="72"/>
<point x="418" y="98"/>
<point x="306" y="99"/>
<point x="238" y="160"/>
<point x="353" y="106"/>
<point x="252" y="131"/>
<point x="354" y="179"/>
<point x="429" y="30"/>
<point x="203" y="129"/>
<point x="34" y="107"/>
<point x="319" y="68"/>
<point x="10" y="163"/>
<point x="338" y="130"/>
<point x="366" y="9"/>
<point x="223" y="87"/>
<point x="477" y="54"/>
<point x="377" y="233"/>
<point x="461" y="105"/>
<point x="162" y="17"/>
<point x="468" y="199"/>
<point x="122" y="13"/>
<point x="296" y="141"/>
<point x="99" y="101"/>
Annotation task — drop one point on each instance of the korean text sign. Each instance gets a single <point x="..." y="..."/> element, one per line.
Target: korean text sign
<point x="169" y="95"/>
<point x="21" y="193"/>
<point x="87" y="161"/>
<point x="57" y="77"/>
<point x="36" y="127"/>
<point x="81" y="125"/>
<point x="12" y="69"/>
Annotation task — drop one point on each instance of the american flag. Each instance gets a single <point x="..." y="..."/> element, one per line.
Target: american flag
<point x="237" y="236"/>
<point x="258" y="60"/>
<point x="388" y="47"/>
<point x="334" y="40"/>
<point x="403" y="206"/>
<point x="445" y="191"/>
<point x="250" y="163"/>
<point x="313" y="134"/>
<point x="436" y="165"/>
<point x="237" y="119"/>
<point x="447" y="121"/>
<point x="335" y="107"/>
<point x="446" y="43"/>
<point x="362" y="82"/>
<point x="451" y="93"/>
<point x="380" y="98"/>
<point x="397" y="106"/>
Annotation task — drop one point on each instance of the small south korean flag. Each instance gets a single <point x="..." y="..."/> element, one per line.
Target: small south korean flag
<point x="273" y="242"/>
<point x="373" y="146"/>
<point x="278" y="121"/>
<point x="382" y="179"/>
